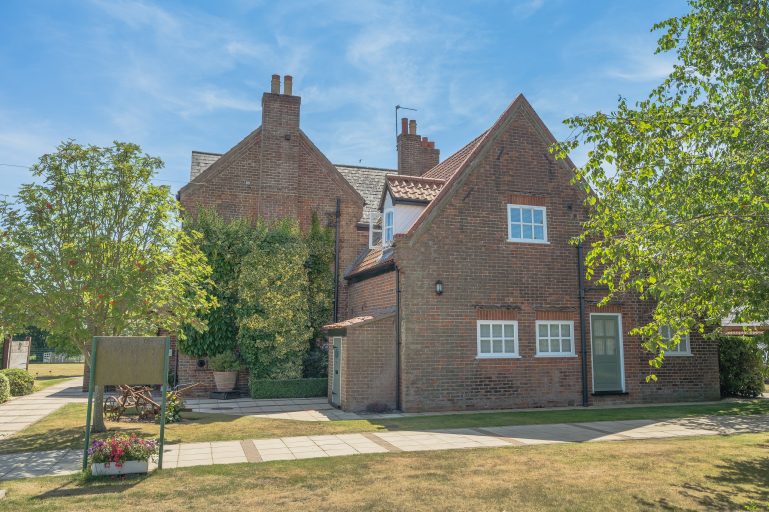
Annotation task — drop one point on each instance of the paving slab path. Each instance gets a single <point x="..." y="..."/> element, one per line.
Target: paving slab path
<point x="58" y="462"/>
<point x="20" y="412"/>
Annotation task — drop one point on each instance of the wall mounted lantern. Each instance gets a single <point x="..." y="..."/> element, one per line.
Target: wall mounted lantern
<point x="439" y="287"/>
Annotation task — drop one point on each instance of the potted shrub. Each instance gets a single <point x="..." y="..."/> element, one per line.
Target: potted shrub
<point x="121" y="455"/>
<point x="225" y="367"/>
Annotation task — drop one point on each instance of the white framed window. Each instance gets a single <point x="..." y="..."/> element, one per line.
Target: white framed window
<point x="497" y="338"/>
<point x="389" y="227"/>
<point x="526" y="223"/>
<point x="374" y="229"/>
<point x="684" y="345"/>
<point x="555" y="338"/>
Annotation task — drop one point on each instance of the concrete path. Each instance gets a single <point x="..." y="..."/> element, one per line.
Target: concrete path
<point x="25" y="465"/>
<point x="297" y="409"/>
<point x="21" y="412"/>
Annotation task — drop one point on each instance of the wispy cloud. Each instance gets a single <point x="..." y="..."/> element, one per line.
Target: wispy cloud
<point x="527" y="8"/>
<point x="642" y="65"/>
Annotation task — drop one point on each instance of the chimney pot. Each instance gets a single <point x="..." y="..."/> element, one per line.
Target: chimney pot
<point x="288" y="85"/>
<point x="404" y="125"/>
<point x="413" y="127"/>
<point x="275" y="84"/>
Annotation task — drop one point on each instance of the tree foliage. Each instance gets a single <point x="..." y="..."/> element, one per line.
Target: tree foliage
<point x="99" y="249"/>
<point x="678" y="184"/>
<point x="225" y="244"/>
<point x="273" y="312"/>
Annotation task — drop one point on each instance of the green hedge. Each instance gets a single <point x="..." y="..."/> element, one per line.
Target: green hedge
<point x="287" y="388"/>
<point x="5" y="389"/>
<point x="741" y="367"/>
<point x="21" y="381"/>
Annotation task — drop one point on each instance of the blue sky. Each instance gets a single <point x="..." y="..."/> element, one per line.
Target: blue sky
<point x="176" y="76"/>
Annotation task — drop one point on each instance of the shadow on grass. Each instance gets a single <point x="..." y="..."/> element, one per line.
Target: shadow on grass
<point x="93" y="486"/>
<point x="738" y="485"/>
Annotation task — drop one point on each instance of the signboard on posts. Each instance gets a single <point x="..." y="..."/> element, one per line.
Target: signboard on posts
<point x="16" y="353"/>
<point x="128" y="360"/>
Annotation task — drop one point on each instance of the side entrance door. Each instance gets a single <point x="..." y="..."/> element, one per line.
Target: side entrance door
<point x="606" y="342"/>
<point x="336" y="381"/>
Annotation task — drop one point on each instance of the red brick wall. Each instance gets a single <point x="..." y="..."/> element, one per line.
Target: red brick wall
<point x="190" y="373"/>
<point x="372" y="295"/>
<point x="465" y="247"/>
<point x="368" y="365"/>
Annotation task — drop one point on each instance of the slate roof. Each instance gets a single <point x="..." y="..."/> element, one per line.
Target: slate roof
<point x="414" y="188"/>
<point x="376" y="257"/>
<point x="369" y="182"/>
<point x="202" y="160"/>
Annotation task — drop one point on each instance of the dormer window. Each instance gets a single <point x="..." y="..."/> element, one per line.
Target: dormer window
<point x="526" y="223"/>
<point x="389" y="227"/>
<point x="374" y="229"/>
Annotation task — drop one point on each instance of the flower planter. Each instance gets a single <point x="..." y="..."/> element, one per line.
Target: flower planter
<point x="225" y="381"/>
<point x="112" y="468"/>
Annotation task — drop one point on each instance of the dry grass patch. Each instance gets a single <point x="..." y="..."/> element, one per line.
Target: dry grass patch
<point x="56" y="371"/>
<point x="725" y="473"/>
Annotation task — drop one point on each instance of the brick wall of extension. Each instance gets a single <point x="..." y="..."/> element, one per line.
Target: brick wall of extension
<point x="485" y="276"/>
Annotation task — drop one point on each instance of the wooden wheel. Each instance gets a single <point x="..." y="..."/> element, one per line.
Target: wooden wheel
<point x="112" y="408"/>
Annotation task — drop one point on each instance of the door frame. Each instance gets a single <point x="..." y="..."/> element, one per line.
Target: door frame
<point x="333" y="377"/>
<point x="621" y="349"/>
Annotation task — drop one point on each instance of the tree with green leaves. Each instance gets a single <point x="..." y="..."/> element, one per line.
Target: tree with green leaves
<point x="225" y="244"/>
<point x="273" y="313"/>
<point x="678" y="184"/>
<point x="100" y="250"/>
<point x="320" y="299"/>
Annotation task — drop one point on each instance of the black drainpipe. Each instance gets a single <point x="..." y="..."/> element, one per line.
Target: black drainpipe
<point x="583" y="337"/>
<point x="336" y="261"/>
<point x="397" y="338"/>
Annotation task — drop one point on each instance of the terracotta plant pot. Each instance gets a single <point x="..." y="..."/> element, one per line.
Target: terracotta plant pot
<point x="225" y="381"/>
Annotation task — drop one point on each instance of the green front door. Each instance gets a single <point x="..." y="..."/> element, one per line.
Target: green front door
<point x="607" y="353"/>
<point x="336" y="378"/>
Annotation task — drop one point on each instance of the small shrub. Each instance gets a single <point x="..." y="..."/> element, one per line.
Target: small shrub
<point x="287" y="388"/>
<point x="224" y="362"/>
<point x="5" y="389"/>
<point x="22" y="382"/>
<point x="174" y="407"/>
<point x="741" y="367"/>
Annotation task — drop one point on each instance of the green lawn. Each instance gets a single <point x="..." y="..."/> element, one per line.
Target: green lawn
<point x="64" y="428"/>
<point x="49" y="374"/>
<point x="706" y="473"/>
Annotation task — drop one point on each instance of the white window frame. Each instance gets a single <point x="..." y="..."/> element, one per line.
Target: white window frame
<point x="500" y="355"/>
<point x="570" y="323"/>
<point x="676" y="352"/>
<point x="527" y="240"/>
<point x="373" y="219"/>
<point x="385" y="228"/>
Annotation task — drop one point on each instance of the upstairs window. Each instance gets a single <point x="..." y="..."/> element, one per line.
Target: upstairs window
<point x="389" y="226"/>
<point x="682" y="349"/>
<point x="526" y="223"/>
<point x="374" y="229"/>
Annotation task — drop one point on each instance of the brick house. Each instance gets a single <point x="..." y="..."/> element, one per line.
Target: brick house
<point x="457" y="285"/>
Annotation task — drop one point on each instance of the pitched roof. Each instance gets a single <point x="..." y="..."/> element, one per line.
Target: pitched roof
<point x="464" y="157"/>
<point x="201" y="160"/>
<point x="373" y="259"/>
<point x="448" y="167"/>
<point x="413" y="188"/>
<point x="369" y="182"/>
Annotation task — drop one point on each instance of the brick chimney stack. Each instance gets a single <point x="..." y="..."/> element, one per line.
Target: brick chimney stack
<point x="416" y="154"/>
<point x="279" y="151"/>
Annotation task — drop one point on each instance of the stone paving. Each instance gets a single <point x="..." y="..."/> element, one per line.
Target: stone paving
<point x="297" y="409"/>
<point x="19" y="413"/>
<point x="34" y="464"/>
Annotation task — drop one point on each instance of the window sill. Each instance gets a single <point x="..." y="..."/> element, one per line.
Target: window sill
<point x="678" y="354"/>
<point x="534" y="242"/>
<point x="609" y="393"/>
<point x="498" y="357"/>
<point x="555" y="355"/>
